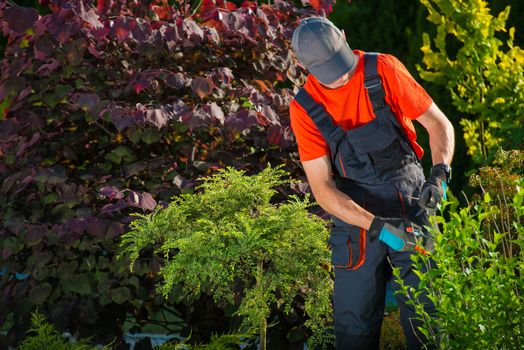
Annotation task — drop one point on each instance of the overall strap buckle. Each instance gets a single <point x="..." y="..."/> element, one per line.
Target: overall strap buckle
<point x="373" y="82"/>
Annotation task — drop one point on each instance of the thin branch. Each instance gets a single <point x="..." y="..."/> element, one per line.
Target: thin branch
<point x="104" y="128"/>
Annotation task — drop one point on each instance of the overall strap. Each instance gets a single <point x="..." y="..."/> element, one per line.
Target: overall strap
<point x="373" y="84"/>
<point x="376" y="93"/>
<point x="321" y="118"/>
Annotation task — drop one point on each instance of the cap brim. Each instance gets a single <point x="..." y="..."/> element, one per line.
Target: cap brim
<point x="334" y="68"/>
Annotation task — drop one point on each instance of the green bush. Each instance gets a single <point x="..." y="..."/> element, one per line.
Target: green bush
<point x="392" y="335"/>
<point x="231" y="242"/>
<point x="477" y="284"/>
<point x="475" y="57"/>
<point x="45" y="336"/>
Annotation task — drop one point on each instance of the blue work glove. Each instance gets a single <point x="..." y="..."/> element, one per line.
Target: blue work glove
<point x="434" y="189"/>
<point x="400" y="234"/>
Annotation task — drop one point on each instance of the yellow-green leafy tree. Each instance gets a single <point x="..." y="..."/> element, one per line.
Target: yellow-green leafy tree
<point x="474" y="56"/>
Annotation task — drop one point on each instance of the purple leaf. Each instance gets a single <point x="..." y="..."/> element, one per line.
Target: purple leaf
<point x="275" y="134"/>
<point x="120" y="118"/>
<point x="96" y="227"/>
<point x="300" y="187"/>
<point x="202" y="87"/>
<point x="88" y="101"/>
<point x="43" y="46"/>
<point x="177" y="110"/>
<point x="234" y="20"/>
<point x="17" y="66"/>
<point x="181" y="182"/>
<point x="93" y="51"/>
<point x="78" y="225"/>
<point x="20" y="18"/>
<point x="115" y="229"/>
<point x="217" y="113"/>
<point x="172" y="37"/>
<point x="35" y="233"/>
<point x="222" y="75"/>
<point x="196" y="119"/>
<point x="143" y="201"/>
<point x="242" y="120"/>
<point x="74" y="52"/>
<point x="147" y="202"/>
<point x="109" y="208"/>
<point x="90" y="16"/>
<point x="140" y="31"/>
<point x="212" y="35"/>
<point x="101" y="33"/>
<point x="202" y="166"/>
<point x="24" y="93"/>
<point x="111" y="192"/>
<point x="157" y="117"/>
<point x="34" y="139"/>
<point x="172" y="34"/>
<point x="176" y="81"/>
<point x="194" y="33"/>
<point x="120" y="29"/>
<point x="46" y="69"/>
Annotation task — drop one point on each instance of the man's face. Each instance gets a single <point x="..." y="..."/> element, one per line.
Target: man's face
<point x="340" y="81"/>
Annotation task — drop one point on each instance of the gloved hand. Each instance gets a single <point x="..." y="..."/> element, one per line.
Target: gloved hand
<point x="400" y="234"/>
<point x="434" y="189"/>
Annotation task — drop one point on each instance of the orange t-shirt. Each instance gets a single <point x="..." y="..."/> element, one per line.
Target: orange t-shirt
<point x="350" y="107"/>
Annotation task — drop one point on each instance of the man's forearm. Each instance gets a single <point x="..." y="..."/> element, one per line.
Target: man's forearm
<point x="442" y="143"/>
<point x="340" y="205"/>
<point x="441" y="135"/>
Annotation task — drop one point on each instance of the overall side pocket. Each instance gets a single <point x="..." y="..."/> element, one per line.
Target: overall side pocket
<point x="348" y="247"/>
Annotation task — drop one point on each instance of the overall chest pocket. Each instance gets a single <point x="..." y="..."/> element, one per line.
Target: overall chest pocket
<point x="353" y="156"/>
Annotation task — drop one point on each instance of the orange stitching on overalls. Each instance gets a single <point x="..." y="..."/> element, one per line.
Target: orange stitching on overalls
<point x="362" y="255"/>
<point x="402" y="203"/>
<point x="362" y="246"/>
<point x="342" y="165"/>
<point x="350" y="261"/>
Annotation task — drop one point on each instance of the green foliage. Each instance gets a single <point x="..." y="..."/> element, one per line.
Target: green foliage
<point x="477" y="283"/>
<point x="231" y="242"/>
<point x="392" y="335"/>
<point x="483" y="72"/>
<point x="45" y="336"/>
<point x="499" y="178"/>
<point x="365" y="27"/>
<point x="218" y="342"/>
<point x="108" y="106"/>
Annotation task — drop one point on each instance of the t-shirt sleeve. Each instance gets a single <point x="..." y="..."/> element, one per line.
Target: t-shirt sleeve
<point x="403" y="93"/>
<point x="311" y="144"/>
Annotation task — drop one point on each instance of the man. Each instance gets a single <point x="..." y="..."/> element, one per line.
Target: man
<point x="355" y="114"/>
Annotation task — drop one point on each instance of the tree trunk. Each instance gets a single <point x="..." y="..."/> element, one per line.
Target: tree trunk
<point x="263" y="322"/>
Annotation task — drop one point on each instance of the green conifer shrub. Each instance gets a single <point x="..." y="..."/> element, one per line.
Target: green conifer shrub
<point x="44" y="336"/>
<point x="230" y="241"/>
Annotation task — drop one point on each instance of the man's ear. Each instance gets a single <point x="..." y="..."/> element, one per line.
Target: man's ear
<point x="344" y="34"/>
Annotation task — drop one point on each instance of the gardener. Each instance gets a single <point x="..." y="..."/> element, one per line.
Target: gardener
<point x="355" y="113"/>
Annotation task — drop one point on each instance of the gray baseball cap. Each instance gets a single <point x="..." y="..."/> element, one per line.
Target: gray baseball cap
<point x="320" y="46"/>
